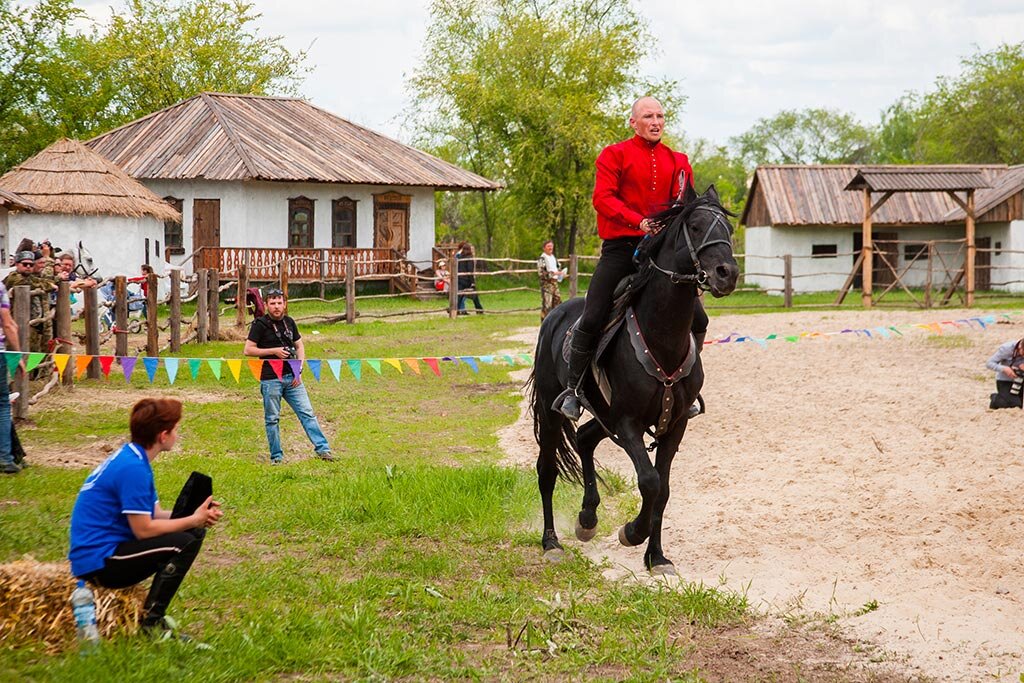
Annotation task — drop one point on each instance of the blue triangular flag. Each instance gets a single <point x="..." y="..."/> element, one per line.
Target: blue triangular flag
<point x="151" y="366"/>
<point x="171" y="366"/>
<point x="471" y="362"/>
<point x="314" y="367"/>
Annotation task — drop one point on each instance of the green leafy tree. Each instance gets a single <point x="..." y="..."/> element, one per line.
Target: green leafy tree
<point x="527" y="93"/>
<point x="806" y="136"/>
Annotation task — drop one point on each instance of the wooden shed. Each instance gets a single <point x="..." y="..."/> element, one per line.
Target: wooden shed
<point x="808" y="212"/>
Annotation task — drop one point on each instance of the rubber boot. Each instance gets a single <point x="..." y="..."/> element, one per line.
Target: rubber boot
<point x="694" y="410"/>
<point x="166" y="584"/>
<point x="581" y="350"/>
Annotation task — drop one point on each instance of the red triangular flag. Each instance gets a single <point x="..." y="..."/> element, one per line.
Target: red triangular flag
<point x="105" y="363"/>
<point x="277" y="365"/>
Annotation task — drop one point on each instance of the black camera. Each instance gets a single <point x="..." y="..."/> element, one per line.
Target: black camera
<point x="1018" y="383"/>
<point x="292" y="352"/>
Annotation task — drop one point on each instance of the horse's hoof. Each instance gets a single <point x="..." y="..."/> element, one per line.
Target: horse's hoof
<point x="664" y="570"/>
<point x="583" y="533"/>
<point x="623" y="539"/>
<point x="554" y="555"/>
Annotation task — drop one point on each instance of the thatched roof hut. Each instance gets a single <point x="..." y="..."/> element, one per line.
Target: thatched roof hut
<point x="67" y="177"/>
<point x="11" y="201"/>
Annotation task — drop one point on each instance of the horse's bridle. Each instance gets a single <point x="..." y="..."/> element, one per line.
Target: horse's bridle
<point x="700" y="277"/>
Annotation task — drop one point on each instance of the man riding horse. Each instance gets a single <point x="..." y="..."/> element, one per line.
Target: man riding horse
<point x="636" y="178"/>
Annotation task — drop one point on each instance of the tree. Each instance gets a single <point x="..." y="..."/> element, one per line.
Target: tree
<point x="978" y="116"/>
<point x="527" y="92"/>
<point x="807" y="136"/>
<point x="150" y="55"/>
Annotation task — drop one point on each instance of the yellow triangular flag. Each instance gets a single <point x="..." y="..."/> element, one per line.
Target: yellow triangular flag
<point x="61" y="361"/>
<point x="394" y="362"/>
<point x="235" y="366"/>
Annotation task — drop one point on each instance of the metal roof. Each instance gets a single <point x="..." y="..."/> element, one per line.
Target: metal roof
<point x="815" y="195"/>
<point x="244" y="137"/>
<point x="918" y="179"/>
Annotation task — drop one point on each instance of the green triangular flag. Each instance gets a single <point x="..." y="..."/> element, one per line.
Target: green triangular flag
<point x="214" y="364"/>
<point x="374" y="363"/>
<point x="34" y="359"/>
<point x="13" y="358"/>
<point x="193" y="365"/>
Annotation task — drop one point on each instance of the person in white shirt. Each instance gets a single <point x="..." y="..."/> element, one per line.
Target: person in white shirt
<point x="550" y="275"/>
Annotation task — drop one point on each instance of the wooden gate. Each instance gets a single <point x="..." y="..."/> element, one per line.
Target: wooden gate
<point x="983" y="263"/>
<point x="206" y="231"/>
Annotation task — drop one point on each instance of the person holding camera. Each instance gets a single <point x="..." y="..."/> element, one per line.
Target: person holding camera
<point x="1008" y="364"/>
<point x="274" y="336"/>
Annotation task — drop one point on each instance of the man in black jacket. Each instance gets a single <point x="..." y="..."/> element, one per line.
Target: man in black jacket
<point x="275" y="337"/>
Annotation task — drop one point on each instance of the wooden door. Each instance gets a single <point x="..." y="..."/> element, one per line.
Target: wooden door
<point x="206" y="231"/>
<point x="391" y="221"/>
<point x="983" y="264"/>
<point x="881" y="274"/>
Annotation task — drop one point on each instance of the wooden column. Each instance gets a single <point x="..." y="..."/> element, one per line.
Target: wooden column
<point x="574" y="273"/>
<point x="213" y="282"/>
<point x="92" y="331"/>
<point x="285" y="267"/>
<point x="174" y="323"/>
<point x="453" y="288"/>
<point x="867" y="251"/>
<point x="243" y="284"/>
<point x="323" y="272"/>
<point x="202" y="306"/>
<point x="350" y="290"/>
<point x="121" y="315"/>
<point x="63" y="318"/>
<point x="20" y="311"/>
<point x="787" y="281"/>
<point x="152" y="321"/>
<point x="971" y="250"/>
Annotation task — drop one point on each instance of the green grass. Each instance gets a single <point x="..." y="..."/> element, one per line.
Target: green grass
<point x="415" y="556"/>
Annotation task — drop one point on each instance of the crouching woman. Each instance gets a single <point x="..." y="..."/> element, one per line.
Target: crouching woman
<point x="119" y="533"/>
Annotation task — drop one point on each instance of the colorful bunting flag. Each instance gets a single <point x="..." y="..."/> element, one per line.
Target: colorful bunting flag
<point x="151" y="364"/>
<point x="277" y="365"/>
<point x="296" y="366"/>
<point x="255" y="367"/>
<point x="171" y="368"/>
<point x="354" y="366"/>
<point x="395" y="363"/>
<point x="373" y="363"/>
<point x="13" y="358"/>
<point x="471" y="362"/>
<point x="413" y="363"/>
<point x="127" y="366"/>
<point x="214" y="364"/>
<point x="193" y="365"/>
<point x="432" y="363"/>
<point x="34" y="359"/>
<point x="105" y="363"/>
<point x="61" y="361"/>
<point x="235" y="366"/>
<point x="314" y="367"/>
<point x="81" y="363"/>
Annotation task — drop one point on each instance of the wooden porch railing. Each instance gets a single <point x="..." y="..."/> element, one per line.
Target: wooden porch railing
<point x="309" y="265"/>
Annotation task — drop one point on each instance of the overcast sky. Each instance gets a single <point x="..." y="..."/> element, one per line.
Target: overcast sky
<point x="736" y="60"/>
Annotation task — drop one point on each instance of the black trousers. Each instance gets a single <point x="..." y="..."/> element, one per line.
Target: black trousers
<point x="616" y="262"/>
<point x="1003" y="398"/>
<point x="168" y="556"/>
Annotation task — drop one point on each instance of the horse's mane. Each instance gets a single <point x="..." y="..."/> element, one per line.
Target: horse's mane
<point x="649" y="247"/>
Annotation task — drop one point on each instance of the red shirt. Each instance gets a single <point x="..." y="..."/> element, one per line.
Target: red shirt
<point x="635" y="179"/>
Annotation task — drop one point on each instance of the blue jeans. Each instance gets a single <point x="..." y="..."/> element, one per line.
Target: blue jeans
<point x="273" y="390"/>
<point x="5" y="415"/>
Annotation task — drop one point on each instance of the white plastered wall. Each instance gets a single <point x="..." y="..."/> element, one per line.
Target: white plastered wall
<point x="117" y="243"/>
<point x="255" y="213"/>
<point x="765" y="245"/>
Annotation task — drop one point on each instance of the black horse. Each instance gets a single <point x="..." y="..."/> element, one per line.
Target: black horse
<point x="652" y="373"/>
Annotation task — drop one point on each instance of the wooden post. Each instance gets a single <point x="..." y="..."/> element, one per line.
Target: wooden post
<point x="787" y="281"/>
<point x="866" y="250"/>
<point x="92" y="331"/>
<point x="323" y="272"/>
<point x="20" y="310"/>
<point x="971" y="250"/>
<point x="928" y="277"/>
<point x="121" y="315"/>
<point x="152" y="321"/>
<point x="285" y="267"/>
<point x="174" y="324"/>
<point x="574" y="270"/>
<point x="63" y="317"/>
<point x="453" y="288"/>
<point x="350" y="290"/>
<point x="202" y="304"/>
<point x="213" y="282"/>
<point x="243" y="285"/>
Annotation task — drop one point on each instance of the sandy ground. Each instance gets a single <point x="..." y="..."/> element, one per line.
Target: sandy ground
<point x="830" y="473"/>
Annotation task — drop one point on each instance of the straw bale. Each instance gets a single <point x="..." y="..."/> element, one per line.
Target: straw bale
<point x="68" y="177"/>
<point x="35" y="606"/>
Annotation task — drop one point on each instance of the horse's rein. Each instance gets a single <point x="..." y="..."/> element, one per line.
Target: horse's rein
<point x="700" y="278"/>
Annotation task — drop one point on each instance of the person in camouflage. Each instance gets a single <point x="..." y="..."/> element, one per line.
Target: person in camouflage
<point x="24" y="274"/>
<point x="550" y="276"/>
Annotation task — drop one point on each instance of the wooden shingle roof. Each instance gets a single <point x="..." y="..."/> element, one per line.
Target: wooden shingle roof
<point x="816" y="195"/>
<point x="68" y="177"/>
<point x="918" y="179"/>
<point x="244" y="137"/>
<point x="10" y="200"/>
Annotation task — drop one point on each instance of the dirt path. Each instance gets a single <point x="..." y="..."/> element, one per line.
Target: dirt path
<point x="831" y="473"/>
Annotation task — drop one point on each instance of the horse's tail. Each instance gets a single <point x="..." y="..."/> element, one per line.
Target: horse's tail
<point x="567" y="459"/>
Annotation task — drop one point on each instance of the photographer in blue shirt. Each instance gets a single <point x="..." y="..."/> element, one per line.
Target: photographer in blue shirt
<point x="1008" y="364"/>
<point x="119" y="533"/>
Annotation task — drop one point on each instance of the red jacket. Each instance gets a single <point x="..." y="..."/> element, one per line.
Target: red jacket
<point x="635" y="179"/>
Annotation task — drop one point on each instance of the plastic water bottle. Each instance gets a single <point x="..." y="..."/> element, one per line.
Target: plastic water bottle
<point x="84" y="606"/>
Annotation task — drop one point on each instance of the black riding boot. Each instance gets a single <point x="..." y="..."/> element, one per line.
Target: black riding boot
<point x="581" y="350"/>
<point x="695" y="409"/>
<point x="166" y="584"/>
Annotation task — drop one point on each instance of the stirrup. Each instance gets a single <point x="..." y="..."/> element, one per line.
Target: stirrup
<point x="568" y="404"/>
